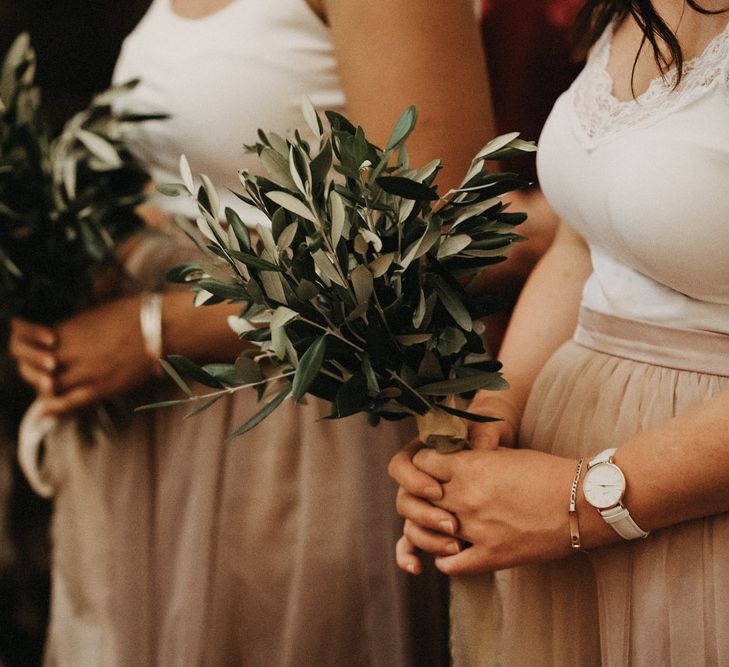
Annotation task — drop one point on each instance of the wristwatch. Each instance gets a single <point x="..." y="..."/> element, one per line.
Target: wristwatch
<point x="604" y="487"/>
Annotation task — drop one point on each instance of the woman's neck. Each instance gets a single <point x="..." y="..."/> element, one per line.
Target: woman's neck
<point x="693" y="30"/>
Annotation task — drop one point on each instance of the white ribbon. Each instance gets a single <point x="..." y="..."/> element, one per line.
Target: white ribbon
<point x="33" y="430"/>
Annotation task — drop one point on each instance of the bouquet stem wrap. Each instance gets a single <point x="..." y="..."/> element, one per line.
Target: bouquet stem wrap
<point x="469" y="612"/>
<point x="441" y="430"/>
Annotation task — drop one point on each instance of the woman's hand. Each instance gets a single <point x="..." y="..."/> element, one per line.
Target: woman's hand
<point x="33" y="348"/>
<point x="91" y="356"/>
<point x="429" y="528"/>
<point x="100" y="353"/>
<point x="511" y="506"/>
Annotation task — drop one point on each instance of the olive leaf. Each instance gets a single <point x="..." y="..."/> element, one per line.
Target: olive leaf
<point x="462" y="385"/>
<point x="465" y="414"/>
<point x="186" y="367"/>
<point x="267" y="409"/>
<point x="239" y="228"/>
<point x="186" y="174"/>
<point x="452" y="303"/>
<point x="277" y="167"/>
<point x="309" y="366"/>
<point x="407" y="188"/>
<point x="403" y="128"/>
<point x="291" y="203"/>
<point x="172" y="372"/>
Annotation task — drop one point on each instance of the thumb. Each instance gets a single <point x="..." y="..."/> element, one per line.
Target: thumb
<point x="473" y="560"/>
<point x="491" y="435"/>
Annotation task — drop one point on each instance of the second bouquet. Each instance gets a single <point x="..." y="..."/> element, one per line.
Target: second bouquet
<point x="360" y="290"/>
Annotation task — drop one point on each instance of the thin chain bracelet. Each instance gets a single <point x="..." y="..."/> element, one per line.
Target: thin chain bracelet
<point x="574" y="524"/>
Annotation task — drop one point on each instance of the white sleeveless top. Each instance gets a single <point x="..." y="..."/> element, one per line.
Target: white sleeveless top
<point x="221" y="77"/>
<point x="646" y="183"/>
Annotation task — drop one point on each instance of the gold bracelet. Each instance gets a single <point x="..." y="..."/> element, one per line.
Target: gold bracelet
<point x="574" y="524"/>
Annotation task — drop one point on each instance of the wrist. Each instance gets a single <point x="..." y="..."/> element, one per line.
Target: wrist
<point x="604" y="492"/>
<point x="594" y="531"/>
<point x="574" y="523"/>
<point x="562" y="522"/>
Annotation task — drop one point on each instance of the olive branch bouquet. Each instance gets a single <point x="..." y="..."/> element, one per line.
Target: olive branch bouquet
<point x="358" y="293"/>
<point x="65" y="202"/>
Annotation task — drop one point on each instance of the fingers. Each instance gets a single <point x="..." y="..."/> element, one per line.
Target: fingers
<point x="30" y="353"/>
<point x="406" y="557"/>
<point x="76" y="398"/>
<point x="437" y="466"/>
<point x="490" y="435"/>
<point x="73" y="376"/>
<point x="39" y="380"/>
<point x="35" y="334"/>
<point x="32" y="346"/>
<point x="473" y="560"/>
<point x="430" y="541"/>
<point x="501" y="433"/>
<point x="423" y="513"/>
<point x="416" y="482"/>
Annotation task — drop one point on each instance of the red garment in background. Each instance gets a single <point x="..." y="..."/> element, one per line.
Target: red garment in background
<point x="528" y="52"/>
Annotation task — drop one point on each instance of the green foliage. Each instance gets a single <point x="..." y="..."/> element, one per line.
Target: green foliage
<point x="357" y="293"/>
<point x="64" y="202"/>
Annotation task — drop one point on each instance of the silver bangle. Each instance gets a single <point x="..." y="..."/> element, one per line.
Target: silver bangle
<point x="150" y="321"/>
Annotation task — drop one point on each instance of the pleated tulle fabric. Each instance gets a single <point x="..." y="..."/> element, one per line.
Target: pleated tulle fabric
<point x="175" y="546"/>
<point x="659" y="601"/>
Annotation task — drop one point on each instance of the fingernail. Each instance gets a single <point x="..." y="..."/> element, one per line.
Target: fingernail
<point x="454" y="548"/>
<point x="434" y="492"/>
<point x="50" y="364"/>
<point x="410" y="568"/>
<point x="447" y="527"/>
<point x="46" y="384"/>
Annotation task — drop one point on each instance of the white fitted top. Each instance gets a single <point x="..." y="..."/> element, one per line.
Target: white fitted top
<point x="646" y="183"/>
<point x="221" y="77"/>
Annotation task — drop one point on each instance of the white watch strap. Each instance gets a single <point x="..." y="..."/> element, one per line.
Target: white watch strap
<point x="603" y="457"/>
<point x="622" y="523"/>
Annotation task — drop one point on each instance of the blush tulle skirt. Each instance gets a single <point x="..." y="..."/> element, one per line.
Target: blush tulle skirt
<point x="659" y="601"/>
<point x="175" y="546"/>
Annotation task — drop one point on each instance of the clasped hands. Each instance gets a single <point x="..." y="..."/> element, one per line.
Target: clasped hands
<point x="91" y="356"/>
<point x="509" y="504"/>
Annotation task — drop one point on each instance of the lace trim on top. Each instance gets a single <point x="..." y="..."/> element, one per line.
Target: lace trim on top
<point x="602" y="116"/>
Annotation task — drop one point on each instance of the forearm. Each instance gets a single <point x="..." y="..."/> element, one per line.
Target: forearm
<point x="200" y="333"/>
<point x="676" y="471"/>
<point x="545" y="316"/>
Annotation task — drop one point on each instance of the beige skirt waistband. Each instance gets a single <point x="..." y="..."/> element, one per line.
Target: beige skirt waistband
<point x="681" y="349"/>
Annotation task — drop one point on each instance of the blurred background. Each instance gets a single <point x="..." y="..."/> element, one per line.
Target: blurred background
<point x="77" y="42"/>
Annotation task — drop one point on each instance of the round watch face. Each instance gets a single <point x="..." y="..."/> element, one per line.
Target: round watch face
<point x="603" y="485"/>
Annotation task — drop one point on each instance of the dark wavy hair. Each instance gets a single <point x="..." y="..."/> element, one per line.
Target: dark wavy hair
<point x="596" y="15"/>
